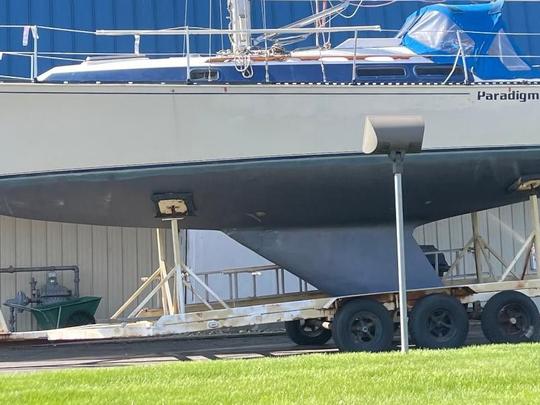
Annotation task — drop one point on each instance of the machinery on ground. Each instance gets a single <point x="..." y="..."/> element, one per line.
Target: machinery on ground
<point x="52" y="305"/>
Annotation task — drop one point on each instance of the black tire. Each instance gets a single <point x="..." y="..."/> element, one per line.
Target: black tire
<point x="510" y="317"/>
<point x="80" y="318"/>
<point x="363" y="325"/>
<point x="308" y="332"/>
<point x="439" y="321"/>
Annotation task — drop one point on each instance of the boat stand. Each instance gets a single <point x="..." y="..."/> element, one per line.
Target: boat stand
<point x="183" y="279"/>
<point x="530" y="248"/>
<point x="481" y="249"/>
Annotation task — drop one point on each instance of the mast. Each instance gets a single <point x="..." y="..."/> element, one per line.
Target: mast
<point x="240" y="15"/>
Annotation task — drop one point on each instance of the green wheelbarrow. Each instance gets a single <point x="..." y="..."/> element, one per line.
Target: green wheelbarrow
<point x="63" y="314"/>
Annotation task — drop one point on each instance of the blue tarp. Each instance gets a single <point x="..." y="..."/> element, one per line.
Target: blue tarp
<point x="437" y="30"/>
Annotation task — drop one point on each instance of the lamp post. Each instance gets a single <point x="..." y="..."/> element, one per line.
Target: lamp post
<point x="395" y="136"/>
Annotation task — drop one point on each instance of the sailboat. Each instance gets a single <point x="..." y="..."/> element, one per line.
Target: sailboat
<point x="263" y="142"/>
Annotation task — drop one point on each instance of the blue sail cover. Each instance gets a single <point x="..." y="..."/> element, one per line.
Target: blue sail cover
<point x="490" y="55"/>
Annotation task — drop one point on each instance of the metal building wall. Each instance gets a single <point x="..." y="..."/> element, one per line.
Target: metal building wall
<point x="505" y="229"/>
<point x="90" y="15"/>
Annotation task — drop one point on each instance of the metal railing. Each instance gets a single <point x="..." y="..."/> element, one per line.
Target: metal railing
<point x="255" y="273"/>
<point x="188" y="33"/>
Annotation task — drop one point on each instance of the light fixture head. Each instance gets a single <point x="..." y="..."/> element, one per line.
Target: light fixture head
<point x="384" y="134"/>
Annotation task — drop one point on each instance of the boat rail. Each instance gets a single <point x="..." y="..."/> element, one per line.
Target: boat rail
<point x="242" y="60"/>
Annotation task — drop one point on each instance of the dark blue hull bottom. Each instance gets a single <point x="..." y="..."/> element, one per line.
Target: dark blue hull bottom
<point x="327" y="219"/>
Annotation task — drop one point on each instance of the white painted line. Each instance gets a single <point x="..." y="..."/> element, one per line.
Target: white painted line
<point x="197" y="358"/>
<point x="48" y="363"/>
<point x="239" y="356"/>
<point x="141" y="360"/>
<point x="307" y="351"/>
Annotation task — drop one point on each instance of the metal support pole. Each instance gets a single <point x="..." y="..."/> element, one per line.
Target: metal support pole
<point x="136" y="44"/>
<point x="178" y="267"/>
<point x="317" y="24"/>
<point x="354" y="57"/>
<point x="397" y="158"/>
<point x="477" y="245"/>
<point x="35" y="37"/>
<point x="396" y="136"/>
<point x="536" y="219"/>
<point x="166" y="298"/>
<point x="188" y="62"/>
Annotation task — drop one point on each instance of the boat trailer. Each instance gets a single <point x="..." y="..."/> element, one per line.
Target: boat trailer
<point x="357" y="322"/>
<point x="439" y="317"/>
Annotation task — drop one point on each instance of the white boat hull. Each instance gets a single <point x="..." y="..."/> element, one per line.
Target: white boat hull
<point x="56" y="128"/>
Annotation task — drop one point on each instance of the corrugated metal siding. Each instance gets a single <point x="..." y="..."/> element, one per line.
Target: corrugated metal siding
<point x="210" y="251"/>
<point x="111" y="260"/>
<point x="152" y="14"/>
<point x="504" y="229"/>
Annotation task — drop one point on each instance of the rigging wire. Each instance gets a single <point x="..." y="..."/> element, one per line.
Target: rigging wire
<point x="353" y="14"/>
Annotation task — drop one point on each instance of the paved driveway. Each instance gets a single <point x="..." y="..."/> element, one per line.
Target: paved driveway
<point x="25" y="356"/>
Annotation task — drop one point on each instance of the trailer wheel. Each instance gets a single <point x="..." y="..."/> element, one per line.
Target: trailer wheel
<point x="363" y="325"/>
<point x="510" y="317"/>
<point x="307" y="332"/>
<point x="439" y="321"/>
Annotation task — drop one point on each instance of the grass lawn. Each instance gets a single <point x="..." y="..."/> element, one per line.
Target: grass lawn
<point x="474" y="375"/>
